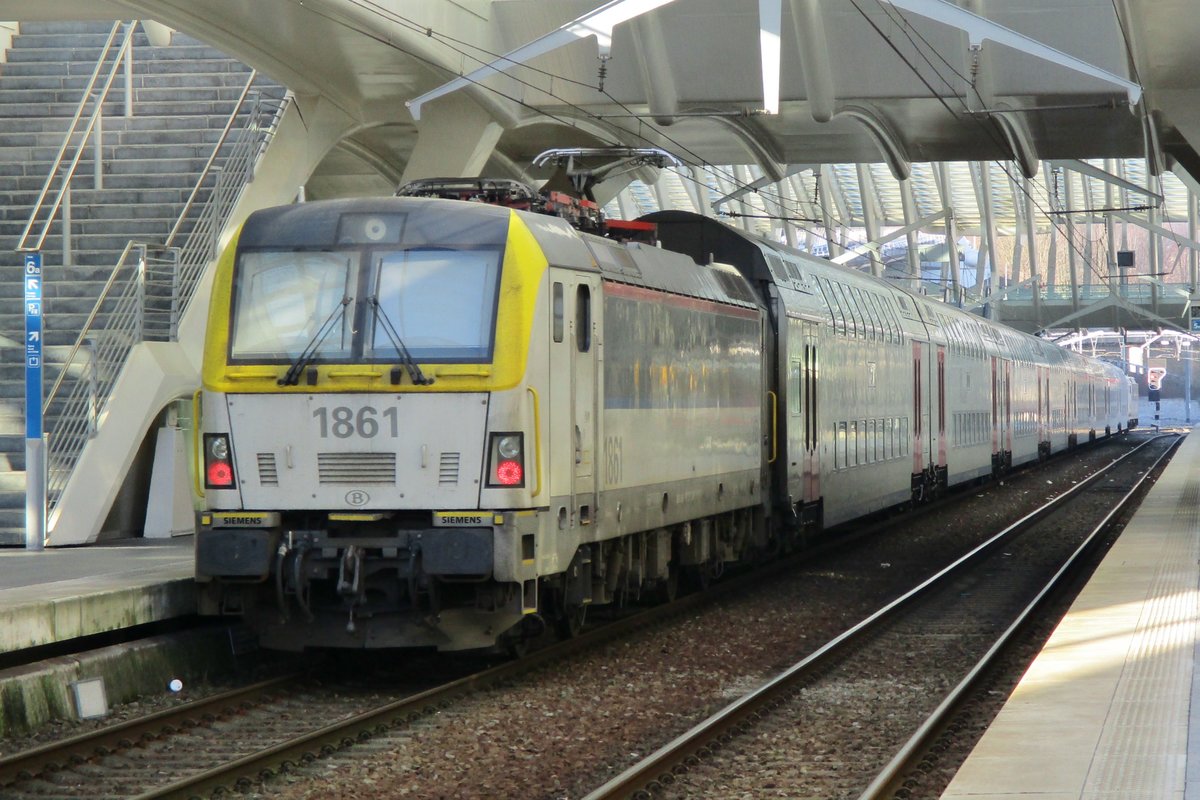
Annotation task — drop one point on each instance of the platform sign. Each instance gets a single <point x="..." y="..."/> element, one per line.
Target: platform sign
<point x="33" y="345"/>
<point x="1196" y="321"/>
<point x="35" y="451"/>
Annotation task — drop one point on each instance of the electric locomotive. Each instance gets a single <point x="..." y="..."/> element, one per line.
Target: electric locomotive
<point x="435" y="423"/>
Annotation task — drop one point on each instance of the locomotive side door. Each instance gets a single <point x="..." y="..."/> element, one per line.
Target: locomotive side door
<point x="572" y="403"/>
<point x="583" y="310"/>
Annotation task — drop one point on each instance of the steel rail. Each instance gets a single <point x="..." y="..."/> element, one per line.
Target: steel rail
<point x="885" y="783"/>
<point x="659" y="768"/>
<point x="121" y="735"/>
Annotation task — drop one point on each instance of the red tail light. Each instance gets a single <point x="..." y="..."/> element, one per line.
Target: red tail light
<point x="218" y="461"/>
<point x="509" y="473"/>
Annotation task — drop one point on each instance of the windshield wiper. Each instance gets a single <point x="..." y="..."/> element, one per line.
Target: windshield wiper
<point x="414" y="371"/>
<point x="292" y="376"/>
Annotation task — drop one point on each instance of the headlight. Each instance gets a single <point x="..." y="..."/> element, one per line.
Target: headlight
<point x="509" y="446"/>
<point x="218" y="446"/>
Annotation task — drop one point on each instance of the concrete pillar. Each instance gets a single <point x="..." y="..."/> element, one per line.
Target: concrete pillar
<point x="455" y="138"/>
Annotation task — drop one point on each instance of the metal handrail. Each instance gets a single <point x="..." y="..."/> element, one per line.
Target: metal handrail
<point x="212" y="158"/>
<point x="122" y="306"/>
<point x="122" y="53"/>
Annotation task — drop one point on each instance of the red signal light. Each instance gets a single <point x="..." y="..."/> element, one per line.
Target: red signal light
<point x="220" y="474"/>
<point x="509" y="473"/>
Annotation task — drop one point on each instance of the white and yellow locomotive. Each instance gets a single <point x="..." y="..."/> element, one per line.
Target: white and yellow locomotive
<point x="425" y="420"/>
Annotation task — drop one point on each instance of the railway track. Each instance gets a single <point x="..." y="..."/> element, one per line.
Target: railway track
<point x="241" y="738"/>
<point x="817" y="728"/>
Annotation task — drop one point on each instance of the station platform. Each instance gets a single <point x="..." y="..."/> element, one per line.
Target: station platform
<point x="1111" y="706"/>
<point x="58" y="594"/>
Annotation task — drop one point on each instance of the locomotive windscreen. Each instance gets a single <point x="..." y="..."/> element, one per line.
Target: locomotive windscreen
<point x="360" y="286"/>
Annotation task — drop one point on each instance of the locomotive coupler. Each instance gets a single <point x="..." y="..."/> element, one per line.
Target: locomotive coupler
<point x="350" y="572"/>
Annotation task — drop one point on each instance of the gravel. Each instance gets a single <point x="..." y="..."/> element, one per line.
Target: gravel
<point x="564" y="730"/>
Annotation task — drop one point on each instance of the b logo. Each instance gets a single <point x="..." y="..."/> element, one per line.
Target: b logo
<point x="357" y="497"/>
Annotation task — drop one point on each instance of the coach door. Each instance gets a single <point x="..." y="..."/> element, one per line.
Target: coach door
<point x="921" y="444"/>
<point x="808" y="403"/>
<point x="1043" y="409"/>
<point x="941" y="407"/>
<point x="1001" y="413"/>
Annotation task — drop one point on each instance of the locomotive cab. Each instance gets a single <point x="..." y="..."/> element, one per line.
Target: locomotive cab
<point x="367" y="429"/>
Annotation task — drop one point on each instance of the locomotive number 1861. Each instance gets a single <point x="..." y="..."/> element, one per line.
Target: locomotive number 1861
<point x="343" y="422"/>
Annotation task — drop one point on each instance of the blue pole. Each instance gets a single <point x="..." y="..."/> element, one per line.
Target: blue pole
<point x="35" y="450"/>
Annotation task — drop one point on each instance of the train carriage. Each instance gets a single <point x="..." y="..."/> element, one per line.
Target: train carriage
<point x="446" y="424"/>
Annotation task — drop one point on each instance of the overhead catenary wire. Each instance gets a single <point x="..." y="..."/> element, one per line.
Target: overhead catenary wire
<point x="692" y="159"/>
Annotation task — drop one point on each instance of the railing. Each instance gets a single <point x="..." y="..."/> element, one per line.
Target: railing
<point x="133" y="307"/>
<point x="204" y="221"/>
<point x="93" y="130"/>
<point x="150" y="289"/>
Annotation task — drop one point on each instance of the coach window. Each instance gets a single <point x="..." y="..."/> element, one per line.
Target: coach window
<point x="583" y="318"/>
<point x="557" y="304"/>
<point x="835" y="309"/>
<point x="852" y="326"/>
<point x="794" y="388"/>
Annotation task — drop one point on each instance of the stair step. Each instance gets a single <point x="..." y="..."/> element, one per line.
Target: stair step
<point x="89" y="54"/>
<point x="141" y="66"/>
<point x="188" y="96"/>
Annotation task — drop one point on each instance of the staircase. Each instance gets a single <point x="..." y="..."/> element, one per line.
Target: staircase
<point x="183" y="96"/>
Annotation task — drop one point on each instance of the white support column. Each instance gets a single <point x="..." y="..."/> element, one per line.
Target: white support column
<point x="825" y="182"/>
<point x="626" y="204"/>
<point x="1124" y="201"/>
<point x="870" y="204"/>
<point x="1110" y="229"/>
<point x="660" y="194"/>
<point x="946" y="191"/>
<point x="698" y="188"/>
<point x="910" y="215"/>
<point x="1052" y="178"/>
<point x="1072" y="258"/>
<point x="802" y="200"/>
<point x="1031" y="230"/>
<point x="1014" y="273"/>
<point x="1089" y="253"/>
<point x="1193" y="225"/>
<point x="981" y="170"/>
<point x="455" y="138"/>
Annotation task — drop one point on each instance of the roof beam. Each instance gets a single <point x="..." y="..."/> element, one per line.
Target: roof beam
<point x="813" y="44"/>
<point x="863" y="248"/>
<point x="979" y="30"/>
<point x="598" y="23"/>
<point x="770" y="23"/>
<point x="1085" y="168"/>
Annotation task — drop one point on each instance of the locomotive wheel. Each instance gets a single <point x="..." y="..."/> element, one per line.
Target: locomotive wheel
<point x="568" y="621"/>
<point x="670" y="587"/>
